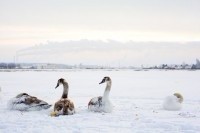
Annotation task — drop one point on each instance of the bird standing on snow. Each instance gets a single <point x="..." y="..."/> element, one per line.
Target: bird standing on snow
<point x="25" y="102"/>
<point x="173" y="102"/>
<point x="64" y="106"/>
<point x="102" y="103"/>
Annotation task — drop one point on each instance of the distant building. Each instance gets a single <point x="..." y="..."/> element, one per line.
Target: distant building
<point x="197" y="64"/>
<point x="46" y="66"/>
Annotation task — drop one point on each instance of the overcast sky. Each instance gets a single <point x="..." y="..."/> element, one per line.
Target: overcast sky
<point x="24" y="23"/>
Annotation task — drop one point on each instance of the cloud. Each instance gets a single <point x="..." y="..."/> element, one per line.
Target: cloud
<point x="111" y="52"/>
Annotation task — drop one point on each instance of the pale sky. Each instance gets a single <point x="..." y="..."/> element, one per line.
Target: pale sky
<point x="24" y="23"/>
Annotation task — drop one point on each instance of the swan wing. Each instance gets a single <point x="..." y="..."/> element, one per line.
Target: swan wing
<point x="95" y="104"/>
<point x="25" y="102"/>
<point x="64" y="107"/>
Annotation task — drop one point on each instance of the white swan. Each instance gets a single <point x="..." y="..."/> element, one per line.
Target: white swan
<point x="173" y="102"/>
<point x="64" y="106"/>
<point x="102" y="103"/>
<point x="25" y="102"/>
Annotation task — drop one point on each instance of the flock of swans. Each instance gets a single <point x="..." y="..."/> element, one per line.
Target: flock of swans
<point x="65" y="106"/>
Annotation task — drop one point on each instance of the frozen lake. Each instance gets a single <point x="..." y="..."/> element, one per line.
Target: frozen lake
<point x="137" y="97"/>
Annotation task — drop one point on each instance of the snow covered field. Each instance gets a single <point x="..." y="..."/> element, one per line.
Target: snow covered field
<point x="137" y="97"/>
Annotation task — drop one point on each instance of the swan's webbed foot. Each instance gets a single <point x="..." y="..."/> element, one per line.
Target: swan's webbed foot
<point x="54" y="114"/>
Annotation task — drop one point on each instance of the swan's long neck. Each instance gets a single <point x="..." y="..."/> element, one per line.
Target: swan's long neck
<point x="65" y="90"/>
<point x="107" y="90"/>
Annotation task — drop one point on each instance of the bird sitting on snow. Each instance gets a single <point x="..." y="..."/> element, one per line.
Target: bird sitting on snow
<point x="25" y="102"/>
<point x="102" y="103"/>
<point x="64" y="106"/>
<point x="173" y="102"/>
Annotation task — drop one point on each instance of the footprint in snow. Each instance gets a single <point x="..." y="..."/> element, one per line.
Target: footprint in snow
<point x="187" y="114"/>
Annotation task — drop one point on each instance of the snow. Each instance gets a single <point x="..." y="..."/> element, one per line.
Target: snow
<point x="137" y="97"/>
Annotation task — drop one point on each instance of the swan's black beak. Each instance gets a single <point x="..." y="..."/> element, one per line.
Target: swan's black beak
<point x="57" y="85"/>
<point x="102" y="81"/>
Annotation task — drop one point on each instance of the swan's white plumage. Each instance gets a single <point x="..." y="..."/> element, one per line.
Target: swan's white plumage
<point x="102" y="103"/>
<point x="172" y="103"/>
<point x="107" y="106"/>
<point x="19" y="103"/>
<point x="100" y="106"/>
